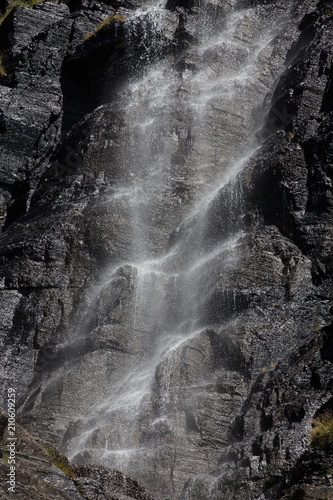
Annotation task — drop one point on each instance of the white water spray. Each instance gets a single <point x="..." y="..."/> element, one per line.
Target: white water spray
<point x="188" y="130"/>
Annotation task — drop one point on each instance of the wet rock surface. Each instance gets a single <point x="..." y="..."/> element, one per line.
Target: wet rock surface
<point x="36" y="476"/>
<point x="231" y="407"/>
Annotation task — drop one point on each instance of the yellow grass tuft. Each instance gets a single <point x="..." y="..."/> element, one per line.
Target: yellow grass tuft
<point x="322" y="430"/>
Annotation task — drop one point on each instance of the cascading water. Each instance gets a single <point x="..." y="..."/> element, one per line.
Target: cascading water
<point x="186" y="126"/>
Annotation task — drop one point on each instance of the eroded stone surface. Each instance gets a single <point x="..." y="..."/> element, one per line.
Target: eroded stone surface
<point x="232" y="404"/>
<point x="37" y="477"/>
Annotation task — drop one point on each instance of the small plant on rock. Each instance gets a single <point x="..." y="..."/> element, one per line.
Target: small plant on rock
<point x="322" y="430"/>
<point x="60" y="461"/>
<point x="108" y="20"/>
<point x="2" y="68"/>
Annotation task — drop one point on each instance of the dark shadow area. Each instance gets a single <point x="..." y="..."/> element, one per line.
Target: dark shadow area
<point x="89" y="72"/>
<point x="327" y="349"/>
<point x="18" y="205"/>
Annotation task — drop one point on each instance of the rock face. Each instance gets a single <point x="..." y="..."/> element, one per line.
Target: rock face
<point x="36" y="476"/>
<point x="166" y="204"/>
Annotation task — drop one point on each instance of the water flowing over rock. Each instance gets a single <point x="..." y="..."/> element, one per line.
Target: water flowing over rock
<point x="43" y="472"/>
<point x="166" y="208"/>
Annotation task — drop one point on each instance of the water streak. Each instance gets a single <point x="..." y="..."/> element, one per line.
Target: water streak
<point x="167" y="304"/>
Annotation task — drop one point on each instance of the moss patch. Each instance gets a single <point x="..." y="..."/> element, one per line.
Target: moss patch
<point x="322" y="430"/>
<point x="4" y="455"/>
<point x="108" y="20"/>
<point x="2" y="67"/>
<point x="59" y="460"/>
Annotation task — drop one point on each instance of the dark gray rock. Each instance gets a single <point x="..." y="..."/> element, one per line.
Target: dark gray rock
<point x="42" y="472"/>
<point x="247" y="278"/>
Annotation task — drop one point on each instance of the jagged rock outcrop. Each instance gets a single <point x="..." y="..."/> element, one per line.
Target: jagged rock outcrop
<point x="41" y="472"/>
<point x="230" y="404"/>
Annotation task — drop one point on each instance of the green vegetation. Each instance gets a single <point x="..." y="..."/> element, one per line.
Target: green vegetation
<point x="4" y="455"/>
<point x="2" y="68"/>
<point x="108" y="20"/>
<point x="322" y="430"/>
<point x="59" y="460"/>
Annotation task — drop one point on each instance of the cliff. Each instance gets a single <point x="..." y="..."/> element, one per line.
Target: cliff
<point x="166" y="247"/>
<point x="41" y="471"/>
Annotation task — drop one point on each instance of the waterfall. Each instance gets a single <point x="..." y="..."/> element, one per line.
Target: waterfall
<point x="162" y="314"/>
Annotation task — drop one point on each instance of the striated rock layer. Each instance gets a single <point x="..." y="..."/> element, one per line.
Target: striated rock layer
<point x="166" y="247"/>
<point x="41" y="472"/>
